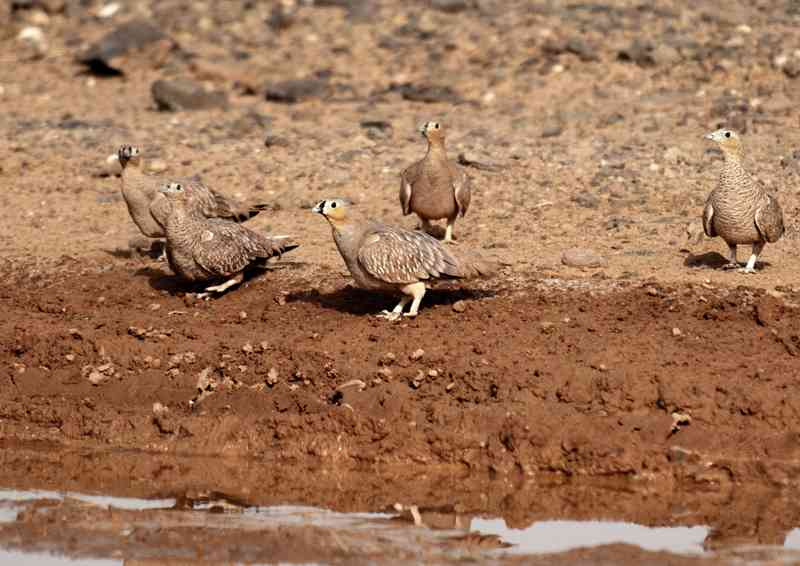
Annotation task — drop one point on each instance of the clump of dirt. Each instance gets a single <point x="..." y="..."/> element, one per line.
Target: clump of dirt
<point x="535" y="379"/>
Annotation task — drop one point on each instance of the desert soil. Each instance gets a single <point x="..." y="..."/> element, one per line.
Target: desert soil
<point x="655" y="388"/>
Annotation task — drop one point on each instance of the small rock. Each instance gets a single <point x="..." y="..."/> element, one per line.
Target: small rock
<point x="296" y="90"/>
<point x="184" y="94"/>
<point x="386" y="373"/>
<point x="417" y="354"/>
<point x="132" y="35"/>
<point x="451" y="6"/>
<point x="459" y="306"/>
<point x="377" y="129"/>
<point x="583" y="257"/>
<point x="33" y="36"/>
<point x="427" y="93"/>
<point x="70" y="357"/>
<point x="108" y="10"/>
<point x="552" y="130"/>
<point x="450" y="386"/>
<point x="248" y="348"/>
<point x="242" y="315"/>
<point x="387" y="359"/>
<point x="272" y="377"/>
<point x="677" y="332"/>
<point x="547" y="327"/>
<point x="276" y="141"/>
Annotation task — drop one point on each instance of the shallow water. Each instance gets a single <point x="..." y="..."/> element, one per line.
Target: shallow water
<point x="540" y="538"/>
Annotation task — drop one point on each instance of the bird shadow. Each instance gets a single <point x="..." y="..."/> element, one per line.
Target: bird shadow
<point x="352" y="300"/>
<point x="714" y="260"/>
<point x="711" y="260"/>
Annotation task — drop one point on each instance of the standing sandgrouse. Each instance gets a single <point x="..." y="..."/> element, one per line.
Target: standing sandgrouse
<point x="389" y="258"/>
<point x="435" y="187"/>
<point x="738" y="209"/>
<point x="149" y="208"/>
<point x="207" y="249"/>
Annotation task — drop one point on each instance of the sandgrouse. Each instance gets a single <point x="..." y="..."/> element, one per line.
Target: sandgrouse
<point x="149" y="208"/>
<point x="435" y="187"/>
<point x="202" y="249"/>
<point x="738" y="209"/>
<point x="389" y="258"/>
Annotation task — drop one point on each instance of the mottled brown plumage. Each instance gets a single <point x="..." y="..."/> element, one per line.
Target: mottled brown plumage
<point x="738" y="209"/>
<point x="207" y="249"/>
<point x="388" y="258"/>
<point x="149" y="208"/>
<point x="435" y="187"/>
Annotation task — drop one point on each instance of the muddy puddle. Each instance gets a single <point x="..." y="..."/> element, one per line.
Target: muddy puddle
<point x="43" y="526"/>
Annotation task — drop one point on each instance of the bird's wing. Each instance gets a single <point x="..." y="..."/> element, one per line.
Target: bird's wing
<point x="708" y="219"/>
<point x="407" y="179"/>
<point x="225" y="248"/>
<point x="769" y="218"/>
<point x="462" y="189"/>
<point x="398" y="256"/>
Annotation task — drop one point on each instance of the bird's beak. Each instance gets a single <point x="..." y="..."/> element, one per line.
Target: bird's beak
<point x="709" y="137"/>
<point x="318" y="207"/>
<point x="422" y="129"/>
<point x="163" y="189"/>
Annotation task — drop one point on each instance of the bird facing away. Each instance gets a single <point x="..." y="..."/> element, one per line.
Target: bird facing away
<point x="435" y="187"/>
<point x="207" y="249"/>
<point x="738" y="209"/>
<point x="149" y="208"/>
<point x="394" y="259"/>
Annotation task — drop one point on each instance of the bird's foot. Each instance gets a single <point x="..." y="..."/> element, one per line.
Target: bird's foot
<point x="202" y="296"/>
<point x="746" y="270"/>
<point x="410" y="314"/>
<point x="389" y="315"/>
<point x="450" y="242"/>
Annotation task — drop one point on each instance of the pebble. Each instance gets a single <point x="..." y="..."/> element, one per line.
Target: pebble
<point x="547" y="327"/>
<point x="459" y="306"/>
<point x="583" y="257"/>
<point x="248" y="348"/>
<point x="677" y="332"/>
<point x="387" y="359"/>
<point x="272" y="376"/>
<point x="108" y="10"/>
<point x="184" y="94"/>
<point x="417" y="354"/>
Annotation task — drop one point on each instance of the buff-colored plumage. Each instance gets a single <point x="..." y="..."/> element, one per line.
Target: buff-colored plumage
<point x="389" y="258"/>
<point x="738" y="209"/>
<point x="149" y="208"/>
<point x="203" y="249"/>
<point x="435" y="187"/>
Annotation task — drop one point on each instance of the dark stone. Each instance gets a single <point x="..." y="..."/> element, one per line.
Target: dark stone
<point x="183" y="94"/>
<point x="792" y="68"/>
<point x="279" y="18"/>
<point x="378" y="129"/>
<point x="129" y="36"/>
<point x="452" y="6"/>
<point x="552" y="130"/>
<point x="639" y="52"/>
<point x="295" y="90"/>
<point x="427" y="93"/>
<point x="586" y="200"/>
<point x="276" y="141"/>
<point x="465" y="160"/>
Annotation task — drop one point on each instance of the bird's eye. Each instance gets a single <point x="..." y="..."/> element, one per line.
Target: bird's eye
<point x="435" y="126"/>
<point x="727" y="134"/>
<point x="333" y="205"/>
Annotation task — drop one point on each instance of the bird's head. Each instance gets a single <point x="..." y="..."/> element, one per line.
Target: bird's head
<point x="175" y="192"/>
<point x="335" y="209"/>
<point x="129" y="154"/>
<point x="728" y="141"/>
<point x="432" y="131"/>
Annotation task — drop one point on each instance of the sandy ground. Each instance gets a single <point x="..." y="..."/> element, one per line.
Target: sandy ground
<point x="584" y="125"/>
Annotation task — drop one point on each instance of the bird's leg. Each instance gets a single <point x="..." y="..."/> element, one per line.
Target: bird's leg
<point x="426" y="226"/>
<point x="397" y="312"/>
<point x="448" y="232"/>
<point x="751" y="263"/>
<point x="222" y="287"/>
<point x="733" y="264"/>
<point x="416" y="290"/>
